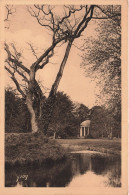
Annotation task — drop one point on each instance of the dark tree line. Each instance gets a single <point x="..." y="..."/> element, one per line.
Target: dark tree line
<point x="17" y="116"/>
<point x="66" y="120"/>
<point x="103" y="123"/>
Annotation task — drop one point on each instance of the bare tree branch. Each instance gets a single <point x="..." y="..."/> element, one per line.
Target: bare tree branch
<point x="47" y="59"/>
<point x="38" y="18"/>
<point x="13" y="59"/>
<point x="15" y="69"/>
<point x="46" y="53"/>
<point x="16" y="82"/>
<point x="33" y="50"/>
<point x="10" y="11"/>
<point x="85" y="20"/>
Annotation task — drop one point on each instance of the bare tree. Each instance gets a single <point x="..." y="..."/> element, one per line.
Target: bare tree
<point x="64" y="28"/>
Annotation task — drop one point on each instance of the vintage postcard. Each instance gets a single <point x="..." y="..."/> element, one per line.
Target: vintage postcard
<point x="64" y="97"/>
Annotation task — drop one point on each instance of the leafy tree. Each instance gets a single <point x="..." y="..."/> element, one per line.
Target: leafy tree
<point x="17" y="117"/>
<point x="63" y="123"/>
<point x="81" y="112"/>
<point x="65" y="29"/>
<point x="97" y="127"/>
<point x="102" y="61"/>
<point x="103" y="123"/>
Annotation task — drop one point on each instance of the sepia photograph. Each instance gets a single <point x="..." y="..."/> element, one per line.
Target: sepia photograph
<point x="63" y="96"/>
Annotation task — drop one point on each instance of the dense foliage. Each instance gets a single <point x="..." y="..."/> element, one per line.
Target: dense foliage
<point x="65" y="121"/>
<point x="103" y="123"/>
<point x="17" y="117"/>
<point x="66" y="118"/>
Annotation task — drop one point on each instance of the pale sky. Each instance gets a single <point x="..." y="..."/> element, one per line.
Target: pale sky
<point x="24" y="28"/>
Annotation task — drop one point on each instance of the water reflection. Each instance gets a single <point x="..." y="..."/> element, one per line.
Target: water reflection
<point x="90" y="169"/>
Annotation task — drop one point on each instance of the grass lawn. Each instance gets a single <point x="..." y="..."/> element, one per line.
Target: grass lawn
<point x="101" y="145"/>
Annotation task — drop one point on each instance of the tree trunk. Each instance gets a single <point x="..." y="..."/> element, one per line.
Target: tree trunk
<point x="33" y="99"/>
<point x="54" y="137"/>
<point x="29" y="103"/>
<point x="60" y="73"/>
<point x="49" y="105"/>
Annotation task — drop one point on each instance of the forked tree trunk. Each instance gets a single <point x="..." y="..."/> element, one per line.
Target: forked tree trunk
<point x="38" y="119"/>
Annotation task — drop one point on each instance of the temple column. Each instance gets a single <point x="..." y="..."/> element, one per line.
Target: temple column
<point x="81" y="132"/>
<point x="88" y="131"/>
<point x="84" y="131"/>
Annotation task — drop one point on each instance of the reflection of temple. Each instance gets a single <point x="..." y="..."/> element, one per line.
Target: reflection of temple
<point x="85" y="128"/>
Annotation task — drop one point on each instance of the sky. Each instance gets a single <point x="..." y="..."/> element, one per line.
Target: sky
<point x="23" y="28"/>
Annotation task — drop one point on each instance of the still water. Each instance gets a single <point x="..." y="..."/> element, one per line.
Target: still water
<point x="82" y="169"/>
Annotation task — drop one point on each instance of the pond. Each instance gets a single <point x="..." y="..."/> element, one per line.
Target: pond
<point x="82" y="169"/>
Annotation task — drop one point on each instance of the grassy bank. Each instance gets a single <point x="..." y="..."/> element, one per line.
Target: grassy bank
<point x="27" y="148"/>
<point x="100" y="145"/>
<point x="30" y="149"/>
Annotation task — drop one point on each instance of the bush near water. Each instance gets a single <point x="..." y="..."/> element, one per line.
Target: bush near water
<point x="30" y="149"/>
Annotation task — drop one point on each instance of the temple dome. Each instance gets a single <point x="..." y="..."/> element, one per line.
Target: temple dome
<point x="85" y="123"/>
